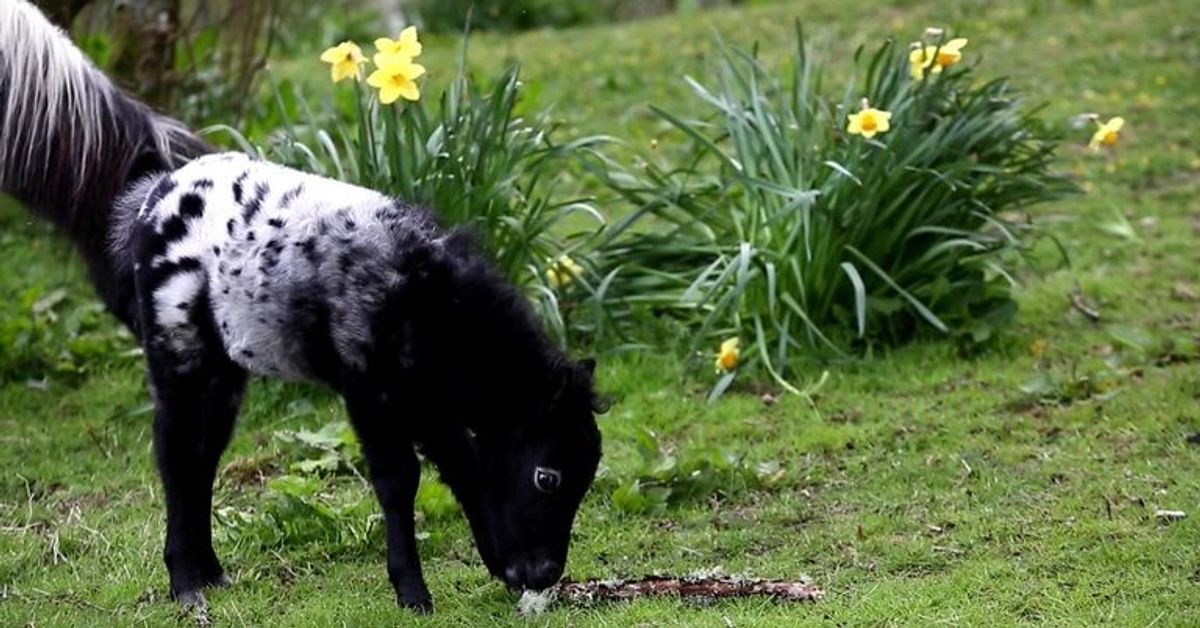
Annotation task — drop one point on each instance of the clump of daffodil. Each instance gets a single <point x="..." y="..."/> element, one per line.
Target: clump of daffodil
<point x="869" y="122"/>
<point x="933" y="59"/>
<point x="406" y="45"/>
<point x="1108" y="133"/>
<point x="344" y="60"/>
<point x="563" y="271"/>
<point x="395" y="76"/>
<point x="727" y="356"/>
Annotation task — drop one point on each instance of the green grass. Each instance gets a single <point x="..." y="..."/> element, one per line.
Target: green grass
<point x="920" y="488"/>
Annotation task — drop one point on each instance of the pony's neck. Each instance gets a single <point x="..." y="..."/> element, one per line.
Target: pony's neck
<point x="492" y="346"/>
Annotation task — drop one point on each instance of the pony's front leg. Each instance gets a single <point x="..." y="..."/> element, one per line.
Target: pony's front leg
<point x="395" y="473"/>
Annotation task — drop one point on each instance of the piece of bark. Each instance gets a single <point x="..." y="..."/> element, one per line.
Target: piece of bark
<point x="701" y="588"/>
<point x="1169" y="515"/>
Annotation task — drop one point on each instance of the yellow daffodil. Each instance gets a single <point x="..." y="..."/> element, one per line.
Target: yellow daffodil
<point x="727" y="356"/>
<point x="869" y="121"/>
<point x="563" y="271"/>
<point x="1107" y="134"/>
<point x="918" y="61"/>
<point x="949" y="53"/>
<point x="406" y="45"/>
<point x="394" y="77"/>
<point x="934" y="58"/>
<point x="344" y="60"/>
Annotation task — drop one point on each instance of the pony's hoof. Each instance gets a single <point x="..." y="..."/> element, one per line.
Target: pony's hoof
<point x="191" y="600"/>
<point x="419" y="603"/>
<point x="220" y="582"/>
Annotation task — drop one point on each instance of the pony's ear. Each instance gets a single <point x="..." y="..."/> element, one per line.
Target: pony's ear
<point x="586" y="369"/>
<point x="575" y="385"/>
<point x="600" y="403"/>
<point x="588" y="365"/>
<point x="462" y="239"/>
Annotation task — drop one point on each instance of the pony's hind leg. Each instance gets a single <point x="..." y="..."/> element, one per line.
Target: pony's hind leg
<point x="197" y="392"/>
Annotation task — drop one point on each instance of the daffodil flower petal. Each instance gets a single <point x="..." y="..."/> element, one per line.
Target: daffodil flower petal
<point x="377" y="79"/>
<point x="855" y="126"/>
<point x="408" y="42"/>
<point x="406" y="45"/>
<point x="385" y="45"/>
<point x="410" y="92"/>
<point x="389" y="94"/>
<point x="956" y="44"/>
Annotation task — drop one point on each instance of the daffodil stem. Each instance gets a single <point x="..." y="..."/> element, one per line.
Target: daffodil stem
<point x="363" y="140"/>
<point x="398" y="176"/>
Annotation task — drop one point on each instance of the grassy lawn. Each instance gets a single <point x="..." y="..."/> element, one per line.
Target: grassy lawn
<point x="917" y="487"/>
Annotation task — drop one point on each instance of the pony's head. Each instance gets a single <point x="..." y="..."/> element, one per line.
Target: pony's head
<point x="522" y="482"/>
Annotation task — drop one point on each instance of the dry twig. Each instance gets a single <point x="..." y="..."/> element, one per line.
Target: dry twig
<point x="1083" y="307"/>
<point x="701" y="588"/>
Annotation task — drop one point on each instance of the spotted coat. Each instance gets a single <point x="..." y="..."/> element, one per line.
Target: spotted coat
<point x="243" y="241"/>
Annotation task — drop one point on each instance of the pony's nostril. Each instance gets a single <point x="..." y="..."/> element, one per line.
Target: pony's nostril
<point x="512" y="577"/>
<point x="536" y="575"/>
<point x="544" y="575"/>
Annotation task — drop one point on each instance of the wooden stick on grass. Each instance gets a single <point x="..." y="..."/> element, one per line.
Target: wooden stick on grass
<point x="697" y="588"/>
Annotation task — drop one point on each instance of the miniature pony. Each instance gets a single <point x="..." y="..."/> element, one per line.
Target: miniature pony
<point x="223" y="266"/>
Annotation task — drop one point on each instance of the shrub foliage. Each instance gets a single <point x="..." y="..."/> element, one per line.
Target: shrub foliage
<point x="782" y="228"/>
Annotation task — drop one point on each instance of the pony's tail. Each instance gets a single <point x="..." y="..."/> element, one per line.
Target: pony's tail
<point x="70" y="141"/>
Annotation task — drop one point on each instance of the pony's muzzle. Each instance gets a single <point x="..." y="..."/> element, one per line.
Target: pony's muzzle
<point x="534" y="575"/>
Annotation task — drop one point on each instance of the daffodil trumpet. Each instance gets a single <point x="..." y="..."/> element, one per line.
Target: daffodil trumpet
<point x="728" y="355"/>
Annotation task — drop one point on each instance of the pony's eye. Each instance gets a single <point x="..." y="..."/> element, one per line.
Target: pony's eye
<point x="546" y="480"/>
